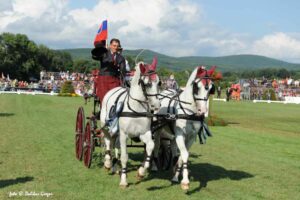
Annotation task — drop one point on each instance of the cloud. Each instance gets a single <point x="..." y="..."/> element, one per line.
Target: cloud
<point x="278" y="45"/>
<point x="5" y="5"/>
<point x="176" y="28"/>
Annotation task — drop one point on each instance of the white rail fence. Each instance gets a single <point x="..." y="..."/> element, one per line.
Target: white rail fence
<point x="28" y="92"/>
<point x="295" y="100"/>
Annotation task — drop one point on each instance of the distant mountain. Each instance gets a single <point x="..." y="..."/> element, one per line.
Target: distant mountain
<point x="225" y="63"/>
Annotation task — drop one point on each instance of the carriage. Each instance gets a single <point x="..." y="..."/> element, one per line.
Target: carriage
<point x="88" y="135"/>
<point x="145" y="113"/>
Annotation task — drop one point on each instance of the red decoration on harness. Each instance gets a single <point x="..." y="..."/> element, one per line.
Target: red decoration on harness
<point x="202" y="73"/>
<point x="149" y="70"/>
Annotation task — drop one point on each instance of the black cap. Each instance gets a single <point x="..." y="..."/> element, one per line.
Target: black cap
<point x="99" y="50"/>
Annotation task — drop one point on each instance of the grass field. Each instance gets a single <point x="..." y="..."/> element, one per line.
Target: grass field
<point x="256" y="157"/>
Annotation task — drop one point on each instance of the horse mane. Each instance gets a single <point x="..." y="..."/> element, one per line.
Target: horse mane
<point x="137" y="73"/>
<point x="192" y="77"/>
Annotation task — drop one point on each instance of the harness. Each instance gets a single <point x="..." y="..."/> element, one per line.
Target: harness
<point x="171" y="116"/>
<point x="133" y="113"/>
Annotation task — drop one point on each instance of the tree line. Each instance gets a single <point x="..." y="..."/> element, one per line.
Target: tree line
<point x="268" y="73"/>
<point x="23" y="59"/>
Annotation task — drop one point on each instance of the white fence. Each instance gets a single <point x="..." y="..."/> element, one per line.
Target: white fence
<point x="28" y="93"/>
<point x="295" y="100"/>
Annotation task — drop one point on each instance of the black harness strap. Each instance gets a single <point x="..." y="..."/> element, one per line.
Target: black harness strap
<point x="184" y="165"/>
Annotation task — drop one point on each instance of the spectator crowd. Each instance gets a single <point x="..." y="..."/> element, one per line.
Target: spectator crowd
<point x="264" y="89"/>
<point x="49" y="82"/>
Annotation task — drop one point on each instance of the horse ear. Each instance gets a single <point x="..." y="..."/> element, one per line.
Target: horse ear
<point x="154" y="64"/>
<point x="142" y="68"/>
<point x="200" y="70"/>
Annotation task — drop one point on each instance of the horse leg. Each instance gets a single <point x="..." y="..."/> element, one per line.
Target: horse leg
<point x="177" y="170"/>
<point x="178" y="165"/>
<point x="180" y="140"/>
<point x="116" y="159"/>
<point x="177" y="161"/>
<point x="147" y="139"/>
<point x="124" y="159"/>
<point x="107" y="157"/>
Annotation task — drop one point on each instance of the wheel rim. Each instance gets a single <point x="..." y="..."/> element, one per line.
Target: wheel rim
<point x="79" y="133"/>
<point x="88" y="145"/>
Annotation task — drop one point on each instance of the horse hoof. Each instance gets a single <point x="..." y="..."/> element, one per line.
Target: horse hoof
<point x="139" y="177"/>
<point x="185" y="186"/>
<point x="123" y="186"/>
<point x="107" y="168"/>
<point x="174" y="180"/>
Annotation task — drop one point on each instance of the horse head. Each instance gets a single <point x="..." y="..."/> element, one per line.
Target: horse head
<point x="203" y="86"/>
<point x="149" y="81"/>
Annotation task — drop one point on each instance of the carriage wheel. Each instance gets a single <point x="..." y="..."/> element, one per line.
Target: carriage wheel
<point x="88" y="145"/>
<point x="80" y="121"/>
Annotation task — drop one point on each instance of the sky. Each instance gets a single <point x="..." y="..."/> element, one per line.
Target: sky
<point x="172" y="27"/>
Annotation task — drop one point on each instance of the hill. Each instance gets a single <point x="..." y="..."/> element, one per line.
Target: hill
<point x="225" y="63"/>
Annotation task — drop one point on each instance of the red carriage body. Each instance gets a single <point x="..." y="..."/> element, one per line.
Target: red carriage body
<point x="102" y="84"/>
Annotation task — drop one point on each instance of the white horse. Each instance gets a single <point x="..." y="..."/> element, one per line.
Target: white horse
<point x="141" y="98"/>
<point x="192" y="101"/>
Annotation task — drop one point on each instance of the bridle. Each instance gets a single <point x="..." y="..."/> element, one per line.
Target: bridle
<point x="144" y="86"/>
<point x="195" y="87"/>
<point x="144" y="89"/>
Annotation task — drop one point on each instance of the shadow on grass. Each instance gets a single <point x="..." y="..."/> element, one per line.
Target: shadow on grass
<point x="8" y="182"/>
<point x="98" y="161"/>
<point x="202" y="172"/>
<point x="138" y="157"/>
<point x="205" y="172"/>
<point x="6" y="114"/>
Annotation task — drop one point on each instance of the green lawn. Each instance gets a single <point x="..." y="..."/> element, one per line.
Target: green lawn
<point x="256" y="157"/>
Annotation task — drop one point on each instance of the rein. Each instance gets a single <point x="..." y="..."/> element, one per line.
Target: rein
<point x="134" y="113"/>
<point x="169" y="116"/>
<point x="149" y="84"/>
<point x="206" y="77"/>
